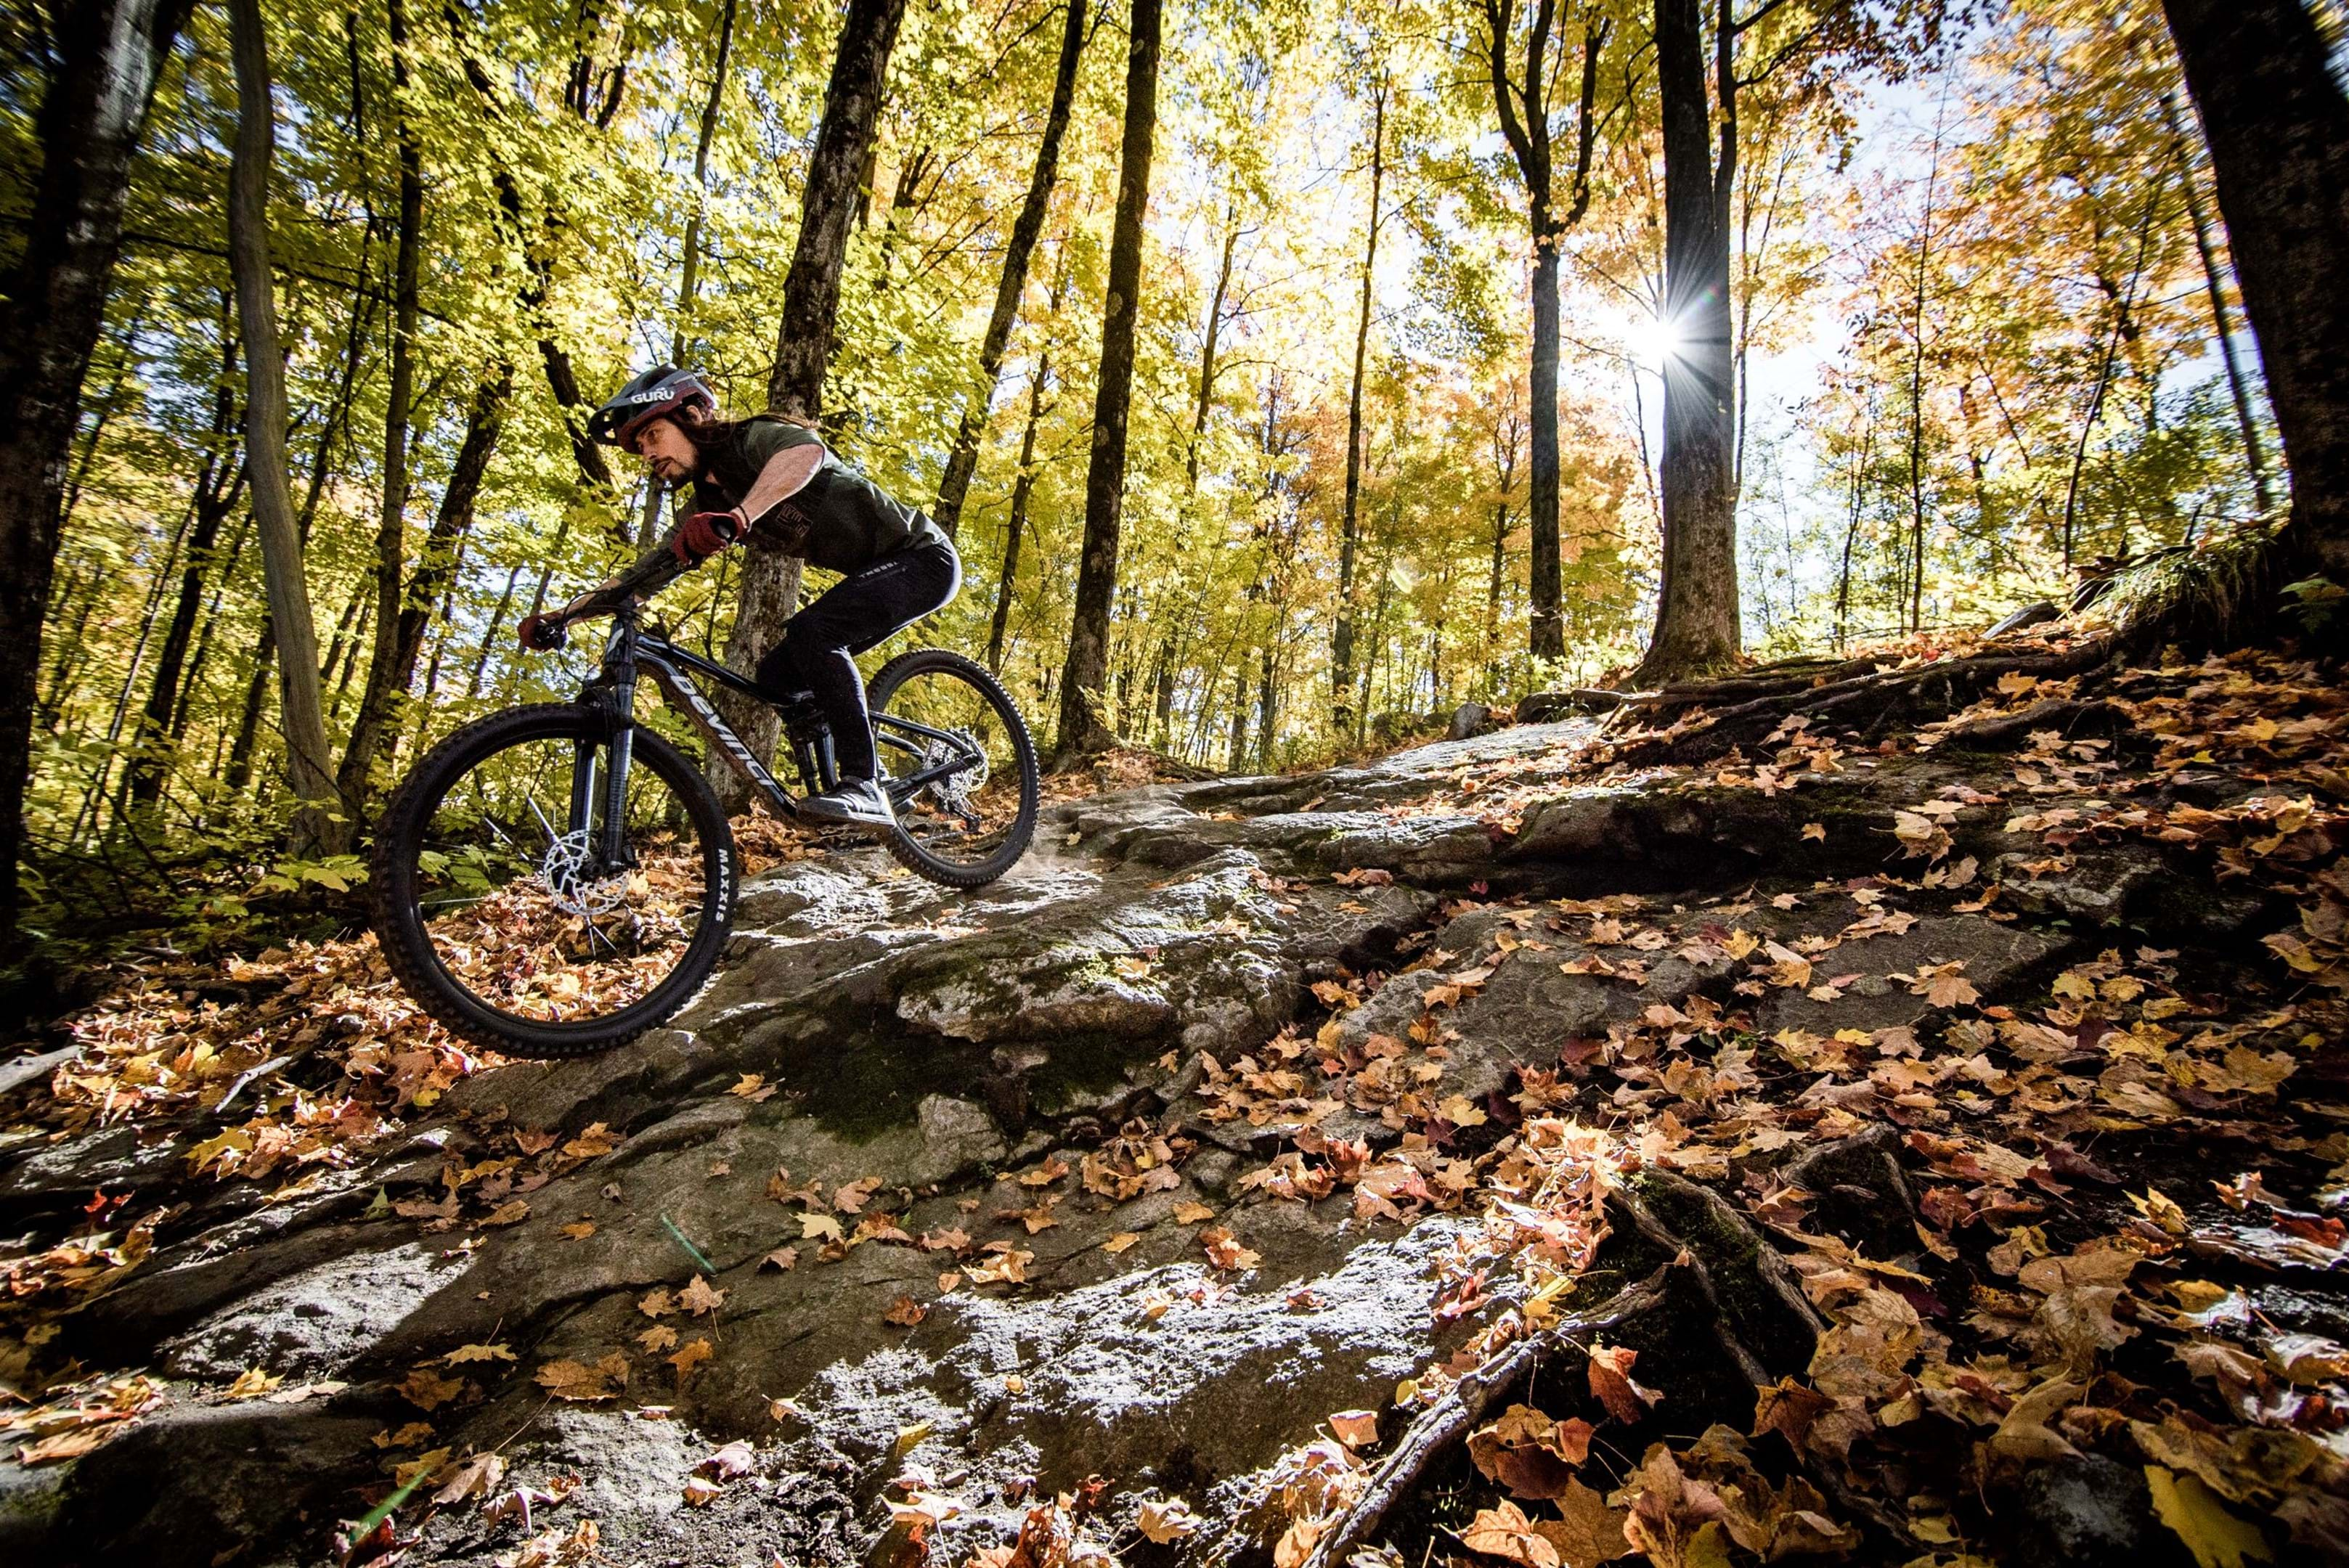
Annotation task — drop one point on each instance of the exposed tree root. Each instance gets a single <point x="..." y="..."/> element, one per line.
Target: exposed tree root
<point x="1704" y="1236"/>
<point x="1449" y="1419"/>
<point x="1760" y="701"/>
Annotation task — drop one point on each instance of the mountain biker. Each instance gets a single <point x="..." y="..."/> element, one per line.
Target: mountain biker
<point x="770" y="479"/>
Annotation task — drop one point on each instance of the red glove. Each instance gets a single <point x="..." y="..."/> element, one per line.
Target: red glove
<point x="540" y="631"/>
<point x="703" y="535"/>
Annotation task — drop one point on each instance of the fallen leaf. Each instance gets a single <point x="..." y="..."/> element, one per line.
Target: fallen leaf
<point x="1612" y="1384"/>
<point x="428" y="1390"/>
<point x="1164" y="1524"/>
<point x="1506" y="1533"/>
<point x="574" y="1381"/>
<point x="905" y="1312"/>
<point x="695" y="1353"/>
<point x="2217" y="1537"/>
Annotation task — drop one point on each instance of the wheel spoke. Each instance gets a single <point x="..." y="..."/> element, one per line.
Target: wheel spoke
<point x="546" y="936"/>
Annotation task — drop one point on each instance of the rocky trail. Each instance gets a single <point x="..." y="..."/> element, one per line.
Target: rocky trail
<point x="1917" y="1146"/>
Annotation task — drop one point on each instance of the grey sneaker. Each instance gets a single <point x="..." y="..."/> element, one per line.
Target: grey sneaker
<point x="860" y="801"/>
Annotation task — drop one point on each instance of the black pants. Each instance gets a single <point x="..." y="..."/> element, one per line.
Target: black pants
<point x="861" y="611"/>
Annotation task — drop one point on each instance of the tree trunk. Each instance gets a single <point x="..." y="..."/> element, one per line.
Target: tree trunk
<point x="109" y="54"/>
<point x="185" y="703"/>
<point x="1545" y="572"/>
<point x="690" y="277"/>
<point x="771" y="579"/>
<point x="1696" y="610"/>
<point x="436" y="569"/>
<point x="214" y="502"/>
<point x="1083" y="728"/>
<point x="1530" y="139"/>
<point x="1916" y="396"/>
<point x="1341" y="637"/>
<point x="2221" y="320"/>
<point x="316" y="828"/>
<point x="1023" y="488"/>
<point x="963" y="461"/>
<point x="377" y="696"/>
<point x="2278" y="129"/>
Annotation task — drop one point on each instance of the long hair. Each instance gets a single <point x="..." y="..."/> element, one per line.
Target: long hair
<point x="708" y="433"/>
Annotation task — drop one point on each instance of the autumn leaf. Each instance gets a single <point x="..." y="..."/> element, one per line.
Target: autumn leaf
<point x="656" y="1303"/>
<point x="698" y="1299"/>
<point x="1225" y="1251"/>
<point x="1120" y="1241"/>
<point x="470" y="1353"/>
<point x="1164" y="1524"/>
<point x="574" y="1381"/>
<point x="1355" y="1429"/>
<point x="1612" y="1384"/>
<point x="905" y="1311"/>
<point x="595" y="1141"/>
<point x="693" y="1355"/>
<point x="1189" y="1214"/>
<point x="660" y="1336"/>
<point x="784" y="1258"/>
<point x="2216" y="1536"/>
<point x="753" y="1087"/>
<point x="252" y="1383"/>
<point x="579" y="1231"/>
<point x="1506" y="1533"/>
<point x="851" y="1198"/>
<point x="1944" y="986"/>
<point x="428" y="1390"/>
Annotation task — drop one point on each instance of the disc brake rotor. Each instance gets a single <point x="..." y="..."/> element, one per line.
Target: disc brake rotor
<point x="565" y="872"/>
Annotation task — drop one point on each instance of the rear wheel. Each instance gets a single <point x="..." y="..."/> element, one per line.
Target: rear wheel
<point x="500" y="909"/>
<point x="958" y="765"/>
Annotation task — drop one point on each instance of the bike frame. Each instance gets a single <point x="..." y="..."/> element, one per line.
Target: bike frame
<point x="634" y="652"/>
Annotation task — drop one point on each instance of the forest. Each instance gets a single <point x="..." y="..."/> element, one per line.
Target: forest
<point x="1916" y="432"/>
<point x="1998" y="316"/>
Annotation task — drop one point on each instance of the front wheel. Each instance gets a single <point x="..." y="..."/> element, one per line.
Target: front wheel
<point x="958" y="766"/>
<point x="502" y="907"/>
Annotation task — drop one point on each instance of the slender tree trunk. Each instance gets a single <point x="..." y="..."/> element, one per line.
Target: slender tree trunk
<point x="1851" y="531"/>
<point x="689" y="278"/>
<point x="109" y="54"/>
<point x="436" y="569"/>
<point x="148" y="763"/>
<point x="1696" y="611"/>
<point x="2278" y="129"/>
<point x="1083" y="728"/>
<point x="1341" y="637"/>
<point x="1022" y="487"/>
<point x="315" y="827"/>
<point x="2123" y="303"/>
<point x="963" y="461"/>
<point x="1916" y="396"/>
<point x="2221" y="318"/>
<point x="376" y="700"/>
<point x="1525" y="114"/>
<point x="803" y="344"/>
<point x="185" y="702"/>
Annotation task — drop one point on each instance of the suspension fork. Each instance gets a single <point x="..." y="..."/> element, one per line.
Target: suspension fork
<point x="615" y="688"/>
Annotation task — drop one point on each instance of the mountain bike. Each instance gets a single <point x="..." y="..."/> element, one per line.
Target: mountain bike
<point x="556" y="879"/>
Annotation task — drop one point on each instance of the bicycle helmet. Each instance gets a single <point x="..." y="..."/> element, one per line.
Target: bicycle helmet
<point x="663" y="389"/>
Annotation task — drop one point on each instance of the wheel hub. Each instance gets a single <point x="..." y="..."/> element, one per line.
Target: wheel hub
<point x="567" y="873"/>
<point x="968" y="760"/>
